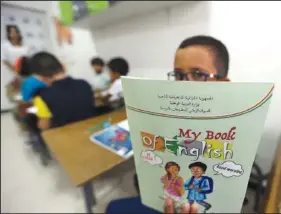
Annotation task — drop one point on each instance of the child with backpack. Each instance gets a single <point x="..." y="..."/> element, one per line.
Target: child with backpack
<point x="199" y="186"/>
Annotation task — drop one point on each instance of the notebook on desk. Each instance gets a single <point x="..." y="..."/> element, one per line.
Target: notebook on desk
<point x="115" y="138"/>
<point x="31" y="110"/>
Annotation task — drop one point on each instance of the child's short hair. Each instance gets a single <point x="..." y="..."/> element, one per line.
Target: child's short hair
<point x="119" y="65"/>
<point x="97" y="61"/>
<point x="216" y="46"/>
<point x="198" y="164"/>
<point x="45" y="64"/>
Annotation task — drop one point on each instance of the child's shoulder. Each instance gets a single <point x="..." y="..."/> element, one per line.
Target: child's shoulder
<point x="32" y="80"/>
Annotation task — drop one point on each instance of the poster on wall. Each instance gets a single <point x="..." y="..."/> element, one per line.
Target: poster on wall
<point x="72" y="11"/>
<point x="63" y="33"/>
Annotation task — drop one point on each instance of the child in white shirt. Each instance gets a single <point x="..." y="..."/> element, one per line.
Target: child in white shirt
<point x="118" y="67"/>
<point x="102" y="78"/>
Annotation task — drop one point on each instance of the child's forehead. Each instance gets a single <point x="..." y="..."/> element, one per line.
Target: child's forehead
<point x="195" y="57"/>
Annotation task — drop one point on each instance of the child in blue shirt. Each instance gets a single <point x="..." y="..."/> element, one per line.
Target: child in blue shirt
<point x="199" y="185"/>
<point x="32" y="83"/>
<point x="31" y="86"/>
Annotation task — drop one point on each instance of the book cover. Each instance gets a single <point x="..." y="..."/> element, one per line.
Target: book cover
<point x="115" y="138"/>
<point x="195" y="141"/>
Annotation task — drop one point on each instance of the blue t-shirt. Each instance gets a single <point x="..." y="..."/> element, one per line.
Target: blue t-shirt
<point x="194" y="194"/>
<point x="30" y="87"/>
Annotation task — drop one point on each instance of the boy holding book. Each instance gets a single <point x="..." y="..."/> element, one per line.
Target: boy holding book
<point x="198" y="58"/>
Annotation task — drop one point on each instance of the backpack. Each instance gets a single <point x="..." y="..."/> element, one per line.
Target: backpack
<point x="211" y="182"/>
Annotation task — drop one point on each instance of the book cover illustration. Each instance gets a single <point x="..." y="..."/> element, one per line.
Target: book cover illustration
<point x="115" y="138"/>
<point x="195" y="142"/>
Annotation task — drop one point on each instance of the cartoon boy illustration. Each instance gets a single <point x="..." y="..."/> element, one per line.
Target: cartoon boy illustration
<point x="198" y="185"/>
<point x="173" y="183"/>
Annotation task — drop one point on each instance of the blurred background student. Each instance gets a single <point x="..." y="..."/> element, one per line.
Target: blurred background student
<point x="117" y="67"/>
<point x="102" y="78"/>
<point x="112" y="98"/>
<point x="11" y="50"/>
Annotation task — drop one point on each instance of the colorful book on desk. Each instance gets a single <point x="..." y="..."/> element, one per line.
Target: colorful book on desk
<point x="115" y="138"/>
<point x="195" y="142"/>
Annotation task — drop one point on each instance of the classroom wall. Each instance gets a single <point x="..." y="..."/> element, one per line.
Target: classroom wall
<point x="252" y="34"/>
<point x="149" y="41"/>
<point x="76" y="56"/>
<point x="250" y="30"/>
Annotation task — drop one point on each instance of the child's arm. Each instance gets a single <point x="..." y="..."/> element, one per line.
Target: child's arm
<point x="164" y="179"/>
<point x="205" y="185"/>
<point x="4" y="58"/>
<point x="187" y="184"/>
<point x="43" y="113"/>
<point x="179" y="185"/>
<point x="106" y="98"/>
<point x="114" y="91"/>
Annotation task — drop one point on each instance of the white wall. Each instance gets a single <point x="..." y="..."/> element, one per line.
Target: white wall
<point x="77" y="56"/>
<point x="149" y="42"/>
<point x="251" y="31"/>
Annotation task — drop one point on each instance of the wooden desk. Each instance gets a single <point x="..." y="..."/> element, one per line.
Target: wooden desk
<point x="81" y="159"/>
<point x="273" y="192"/>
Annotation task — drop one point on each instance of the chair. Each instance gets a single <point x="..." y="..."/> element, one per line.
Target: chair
<point x="256" y="182"/>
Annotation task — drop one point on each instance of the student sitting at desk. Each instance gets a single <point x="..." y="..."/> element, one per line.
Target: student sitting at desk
<point x="66" y="100"/>
<point x="102" y="78"/>
<point x="118" y="67"/>
<point x="31" y="86"/>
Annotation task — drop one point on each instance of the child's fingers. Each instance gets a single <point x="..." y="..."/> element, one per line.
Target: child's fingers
<point x="169" y="206"/>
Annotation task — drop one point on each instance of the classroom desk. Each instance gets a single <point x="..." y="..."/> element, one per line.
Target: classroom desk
<point x="81" y="159"/>
<point x="273" y="192"/>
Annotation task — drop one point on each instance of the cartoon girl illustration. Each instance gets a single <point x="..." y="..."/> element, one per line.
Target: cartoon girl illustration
<point x="120" y="136"/>
<point x="173" y="183"/>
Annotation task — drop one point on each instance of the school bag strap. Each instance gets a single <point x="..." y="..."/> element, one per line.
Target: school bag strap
<point x="211" y="183"/>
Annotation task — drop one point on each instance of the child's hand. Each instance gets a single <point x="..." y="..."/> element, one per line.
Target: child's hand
<point x="164" y="180"/>
<point x="191" y="186"/>
<point x="169" y="207"/>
